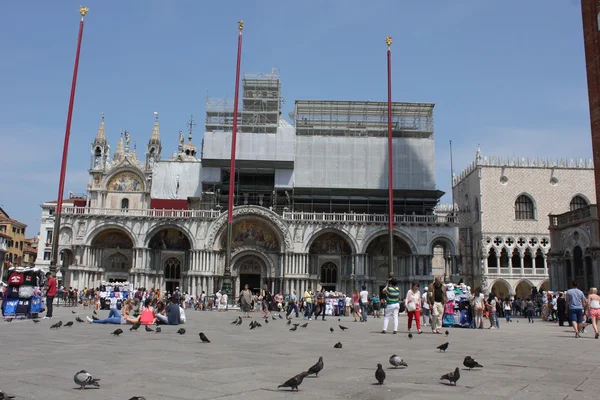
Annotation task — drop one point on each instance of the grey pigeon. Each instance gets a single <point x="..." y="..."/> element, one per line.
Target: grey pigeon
<point x="289" y="322"/>
<point x="397" y="361"/>
<point x="56" y="326"/>
<point x="343" y="328"/>
<point x="380" y="374"/>
<point x="83" y="379"/>
<point x="135" y="326"/>
<point x="315" y="369"/>
<point x="274" y="319"/>
<point x="117" y="332"/>
<point x="73" y="312"/>
<point x="304" y="325"/>
<point x="235" y="321"/>
<point x="338" y="345"/>
<point x="280" y="317"/>
<point x="79" y="319"/>
<point x="239" y="321"/>
<point x="5" y="396"/>
<point x="181" y="331"/>
<point x="35" y="321"/>
<point x="443" y="347"/>
<point x="148" y="329"/>
<point x="293" y="328"/>
<point x="70" y="323"/>
<point x="158" y="329"/>
<point x="331" y="330"/>
<point x="137" y="398"/>
<point x="447" y="333"/>
<point x="471" y="363"/>
<point x="452" y="377"/>
<point x="294" y="382"/>
<point x="410" y="335"/>
<point x="204" y="338"/>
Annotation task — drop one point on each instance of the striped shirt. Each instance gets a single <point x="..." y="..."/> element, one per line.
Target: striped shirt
<point x="393" y="295"/>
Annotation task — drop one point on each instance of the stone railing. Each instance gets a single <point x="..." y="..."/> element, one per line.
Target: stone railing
<point x="148" y="212"/>
<point x="573" y="217"/>
<point x="350" y="218"/>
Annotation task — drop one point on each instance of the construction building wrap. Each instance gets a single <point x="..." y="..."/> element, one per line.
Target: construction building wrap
<point x="176" y="180"/>
<point x="362" y="163"/>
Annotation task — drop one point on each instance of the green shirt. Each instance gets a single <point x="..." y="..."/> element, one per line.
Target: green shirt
<point x="393" y="295"/>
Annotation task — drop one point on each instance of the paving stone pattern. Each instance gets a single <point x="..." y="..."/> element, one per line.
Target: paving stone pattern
<point x="521" y="361"/>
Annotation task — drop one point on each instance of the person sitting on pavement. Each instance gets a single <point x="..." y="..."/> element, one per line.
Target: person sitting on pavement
<point x="173" y="316"/>
<point x="181" y="315"/>
<point x="114" y="317"/>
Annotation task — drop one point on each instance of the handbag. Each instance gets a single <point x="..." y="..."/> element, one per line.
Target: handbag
<point x="411" y="306"/>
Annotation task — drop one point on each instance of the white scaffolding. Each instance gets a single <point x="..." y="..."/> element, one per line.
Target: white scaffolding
<point x="363" y="118"/>
<point x="258" y="111"/>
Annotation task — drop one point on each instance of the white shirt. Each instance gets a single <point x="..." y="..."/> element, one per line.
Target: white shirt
<point x="348" y="301"/>
<point x="181" y="315"/>
<point x="224" y="299"/>
<point x="425" y="303"/>
<point x="414" y="297"/>
<point x="364" y="297"/>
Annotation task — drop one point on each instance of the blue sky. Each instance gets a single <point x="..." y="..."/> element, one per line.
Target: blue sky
<point x="509" y="75"/>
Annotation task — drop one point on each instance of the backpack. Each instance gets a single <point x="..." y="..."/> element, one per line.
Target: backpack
<point x="402" y="307"/>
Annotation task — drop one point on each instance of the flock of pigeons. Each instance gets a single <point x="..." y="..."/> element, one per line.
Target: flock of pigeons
<point x="395" y="361"/>
<point x="84" y="378"/>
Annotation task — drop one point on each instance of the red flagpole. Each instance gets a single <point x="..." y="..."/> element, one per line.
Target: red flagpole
<point x="63" y="167"/>
<point x="388" y="41"/>
<point x="227" y="275"/>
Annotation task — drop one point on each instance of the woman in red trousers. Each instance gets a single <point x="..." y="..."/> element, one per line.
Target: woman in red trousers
<point x="413" y="306"/>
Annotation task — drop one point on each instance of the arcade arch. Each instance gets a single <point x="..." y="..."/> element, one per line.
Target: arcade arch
<point x="330" y="258"/>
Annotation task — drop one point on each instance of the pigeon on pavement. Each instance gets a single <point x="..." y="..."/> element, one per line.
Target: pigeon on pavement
<point x="304" y="325"/>
<point x="380" y="374"/>
<point x="158" y="330"/>
<point x="471" y="363"/>
<point x="56" y="325"/>
<point x="79" y="319"/>
<point x="117" y="332"/>
<point x="135" y="326"/>
<point x="289" y="322"/>
<point x="331" y="330"/>
<point x="294" y="382"/>
<point x="447" y="333"/>
<point x="181" y="331"/>
<point x="293" y="328"/>
<point x="409" y="335"/>
<point x="137" y="398"/>
<point x="70" y="323"/>
<point x="338" y="345"/>
<point x="5" y="396"/>
<point x="83" y="379"/>
<point x="443" y="347"/>
<point x="397" y="361"/>
<point x="343" y="328"/>
<point x="452" y="377"/>
<point x="35" y="321"/>
<point x="204" y="338"/>
<point x="315" y="369"/>
<point x="148" y="329"/>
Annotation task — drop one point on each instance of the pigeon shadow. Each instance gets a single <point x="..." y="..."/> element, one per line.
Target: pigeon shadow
<point x="87" y="388"/>
<point x="376" y="384"/>
<point x="471" y="370"/>
<point x="447" y="384"/>
<point x="397" y="367"/>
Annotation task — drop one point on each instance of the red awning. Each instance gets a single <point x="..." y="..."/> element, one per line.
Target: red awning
<point x="168" y="204"/>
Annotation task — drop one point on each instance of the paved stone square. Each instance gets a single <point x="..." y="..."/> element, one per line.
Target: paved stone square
<point x="521" y="361"/>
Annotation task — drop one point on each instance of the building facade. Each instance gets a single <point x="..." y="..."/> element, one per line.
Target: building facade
<point x="309" y="206"/>
<point x="15" y="231"/>
<point x="503" y="205"/>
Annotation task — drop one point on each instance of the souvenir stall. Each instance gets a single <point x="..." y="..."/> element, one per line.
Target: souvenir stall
<point x="113" y="294"/>
<point x="455" y="310"/>
<point x="23" y="296"/>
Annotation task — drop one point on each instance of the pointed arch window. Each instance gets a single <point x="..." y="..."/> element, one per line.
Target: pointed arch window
<point x="524" y="208"/>
<point x="578" y="202"/>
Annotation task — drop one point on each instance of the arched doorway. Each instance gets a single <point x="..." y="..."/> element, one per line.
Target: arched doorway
<point x="170" y="254"/>
<point x="329" y="276"/>
<point x="501" y="289"/>
<point x="250" y="269"/>
<point x="579" y="270"/>
<point x="442" y="263"/>
<point x="492" y="261"/>
<point x="545" y="286"/>
<point x="116" y="255"/>
<point x="377" y="262"/>
<point x="66" y="260"/>
<point x="172" y="273"/>
<point x="330" y="258"/>
<point x="523" y="289"/>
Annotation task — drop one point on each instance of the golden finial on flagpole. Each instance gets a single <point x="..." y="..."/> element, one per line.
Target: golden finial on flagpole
<point x="83" y="10"/>
<point x="388" y="41"/>
<point x="241" y="25"/>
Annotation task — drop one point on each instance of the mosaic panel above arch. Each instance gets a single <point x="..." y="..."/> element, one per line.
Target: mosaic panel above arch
<point x="253" y="232"/>
<point x="126" y="182"/>
<point x="169" y="239"/>
<point x="112" y="239"/>
<point x="330" y="243"/>
<point x="380" y="246"/>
